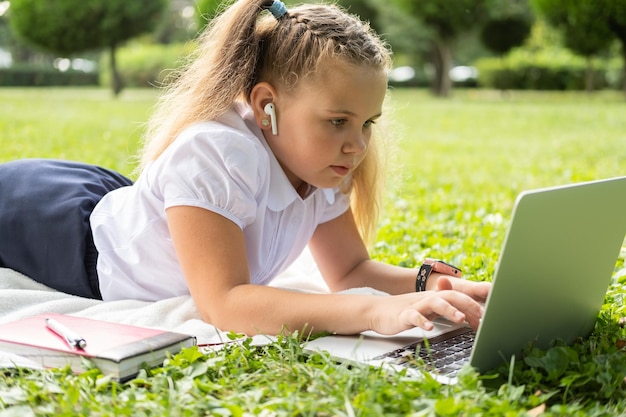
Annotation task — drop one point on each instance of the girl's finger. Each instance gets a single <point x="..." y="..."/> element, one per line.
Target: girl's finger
<point x="414" y="318"/>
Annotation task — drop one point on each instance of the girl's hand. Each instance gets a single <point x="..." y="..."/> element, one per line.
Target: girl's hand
<point x="477" y="290"/>
<point x="402" y="312"/>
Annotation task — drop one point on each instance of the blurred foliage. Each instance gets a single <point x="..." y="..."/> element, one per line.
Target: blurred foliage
<point x="540" y="72"/>
<point x="146" y="65"/>
<point x="206" y="10"/>
<point x="67" y="27"/>
<point x="474" y="29"/>
<point x="584" y="23"/>
<point x="544" y="63"/>
<point x="502" y="35"/>
<point x="36" y="76"/>
<point x="447" y="20"/>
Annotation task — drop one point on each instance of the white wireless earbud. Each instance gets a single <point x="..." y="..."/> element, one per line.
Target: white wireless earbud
<point x="270" y="110"/>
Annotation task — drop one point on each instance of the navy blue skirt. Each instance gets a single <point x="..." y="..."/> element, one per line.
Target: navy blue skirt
<point x="44" y="221"/>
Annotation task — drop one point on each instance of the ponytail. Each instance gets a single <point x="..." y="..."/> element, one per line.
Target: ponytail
<point x="219" y="72"/>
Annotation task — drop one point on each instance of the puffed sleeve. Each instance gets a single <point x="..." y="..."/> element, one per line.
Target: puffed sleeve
<point x="216" y="168"/>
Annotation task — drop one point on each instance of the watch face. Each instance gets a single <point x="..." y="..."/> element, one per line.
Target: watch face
<point x="444" y="268"/>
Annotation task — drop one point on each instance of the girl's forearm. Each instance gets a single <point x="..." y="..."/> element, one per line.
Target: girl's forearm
<point x="388" y="278"/>
<point x="255" y="309"/>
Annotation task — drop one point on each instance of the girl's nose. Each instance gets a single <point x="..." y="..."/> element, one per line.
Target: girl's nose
<point x="356" y="144"/>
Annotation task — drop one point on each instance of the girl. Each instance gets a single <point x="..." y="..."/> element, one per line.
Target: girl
<point x="261" y="146"/>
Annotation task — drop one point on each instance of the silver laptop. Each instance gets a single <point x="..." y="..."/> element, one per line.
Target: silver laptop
<point x="556" y="263"/>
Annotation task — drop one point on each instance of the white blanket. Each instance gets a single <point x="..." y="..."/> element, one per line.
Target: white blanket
<point x="22" y="297"/>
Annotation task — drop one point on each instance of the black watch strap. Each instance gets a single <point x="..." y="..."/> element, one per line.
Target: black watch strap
<point x="422" y="276"/>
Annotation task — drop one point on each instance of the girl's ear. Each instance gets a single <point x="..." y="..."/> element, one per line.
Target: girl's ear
<point x="261" y="95"/>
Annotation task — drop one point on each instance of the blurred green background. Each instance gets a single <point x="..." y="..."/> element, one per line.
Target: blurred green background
<point x="440" y="44"/>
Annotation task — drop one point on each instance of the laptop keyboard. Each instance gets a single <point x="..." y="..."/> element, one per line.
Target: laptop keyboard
<point x="445" y="354"/>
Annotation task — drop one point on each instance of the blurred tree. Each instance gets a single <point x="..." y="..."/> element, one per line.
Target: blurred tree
<point x="502" y="35"/>
<point x="5" y="32"/>
<point x="207" y="9"/>
<point x="367" y="10"/>
<point x="20" y="51"/>
<point x="584" y="25"/>
<point x="508" y="25"/>
<point x="448" y="20"/>
<point x="617" y="23"/>
<point x="406" y="34"/>
<point x="178" y="23"/>
<point x="67" y="27"/>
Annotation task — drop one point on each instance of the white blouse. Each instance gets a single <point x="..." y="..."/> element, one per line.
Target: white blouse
<point x="225" y="167"/>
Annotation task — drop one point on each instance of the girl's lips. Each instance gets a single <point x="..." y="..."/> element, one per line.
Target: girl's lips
<point x="341" y="170"/>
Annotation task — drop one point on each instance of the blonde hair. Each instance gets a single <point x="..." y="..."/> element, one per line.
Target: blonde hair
<point x="241" y="48"/>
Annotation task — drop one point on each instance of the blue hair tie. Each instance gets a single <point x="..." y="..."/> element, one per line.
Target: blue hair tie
<point x="278" y="9"/>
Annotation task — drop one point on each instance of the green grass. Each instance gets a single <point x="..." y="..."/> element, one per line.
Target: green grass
<point x="76" y="124"/>
<point x="458" y="167"/>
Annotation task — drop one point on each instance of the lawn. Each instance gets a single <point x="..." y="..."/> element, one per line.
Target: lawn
<point x="456" y="167"/>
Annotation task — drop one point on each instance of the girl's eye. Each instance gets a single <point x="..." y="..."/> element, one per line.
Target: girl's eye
<point x="341" y="122"/>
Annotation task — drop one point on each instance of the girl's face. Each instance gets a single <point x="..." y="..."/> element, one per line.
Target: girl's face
<point x="325" y="124"/>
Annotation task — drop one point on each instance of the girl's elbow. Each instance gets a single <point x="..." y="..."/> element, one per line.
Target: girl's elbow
<point x="223" y="320"/>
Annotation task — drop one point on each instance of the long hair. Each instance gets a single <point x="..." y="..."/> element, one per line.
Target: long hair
<point x="243" y="46"/>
